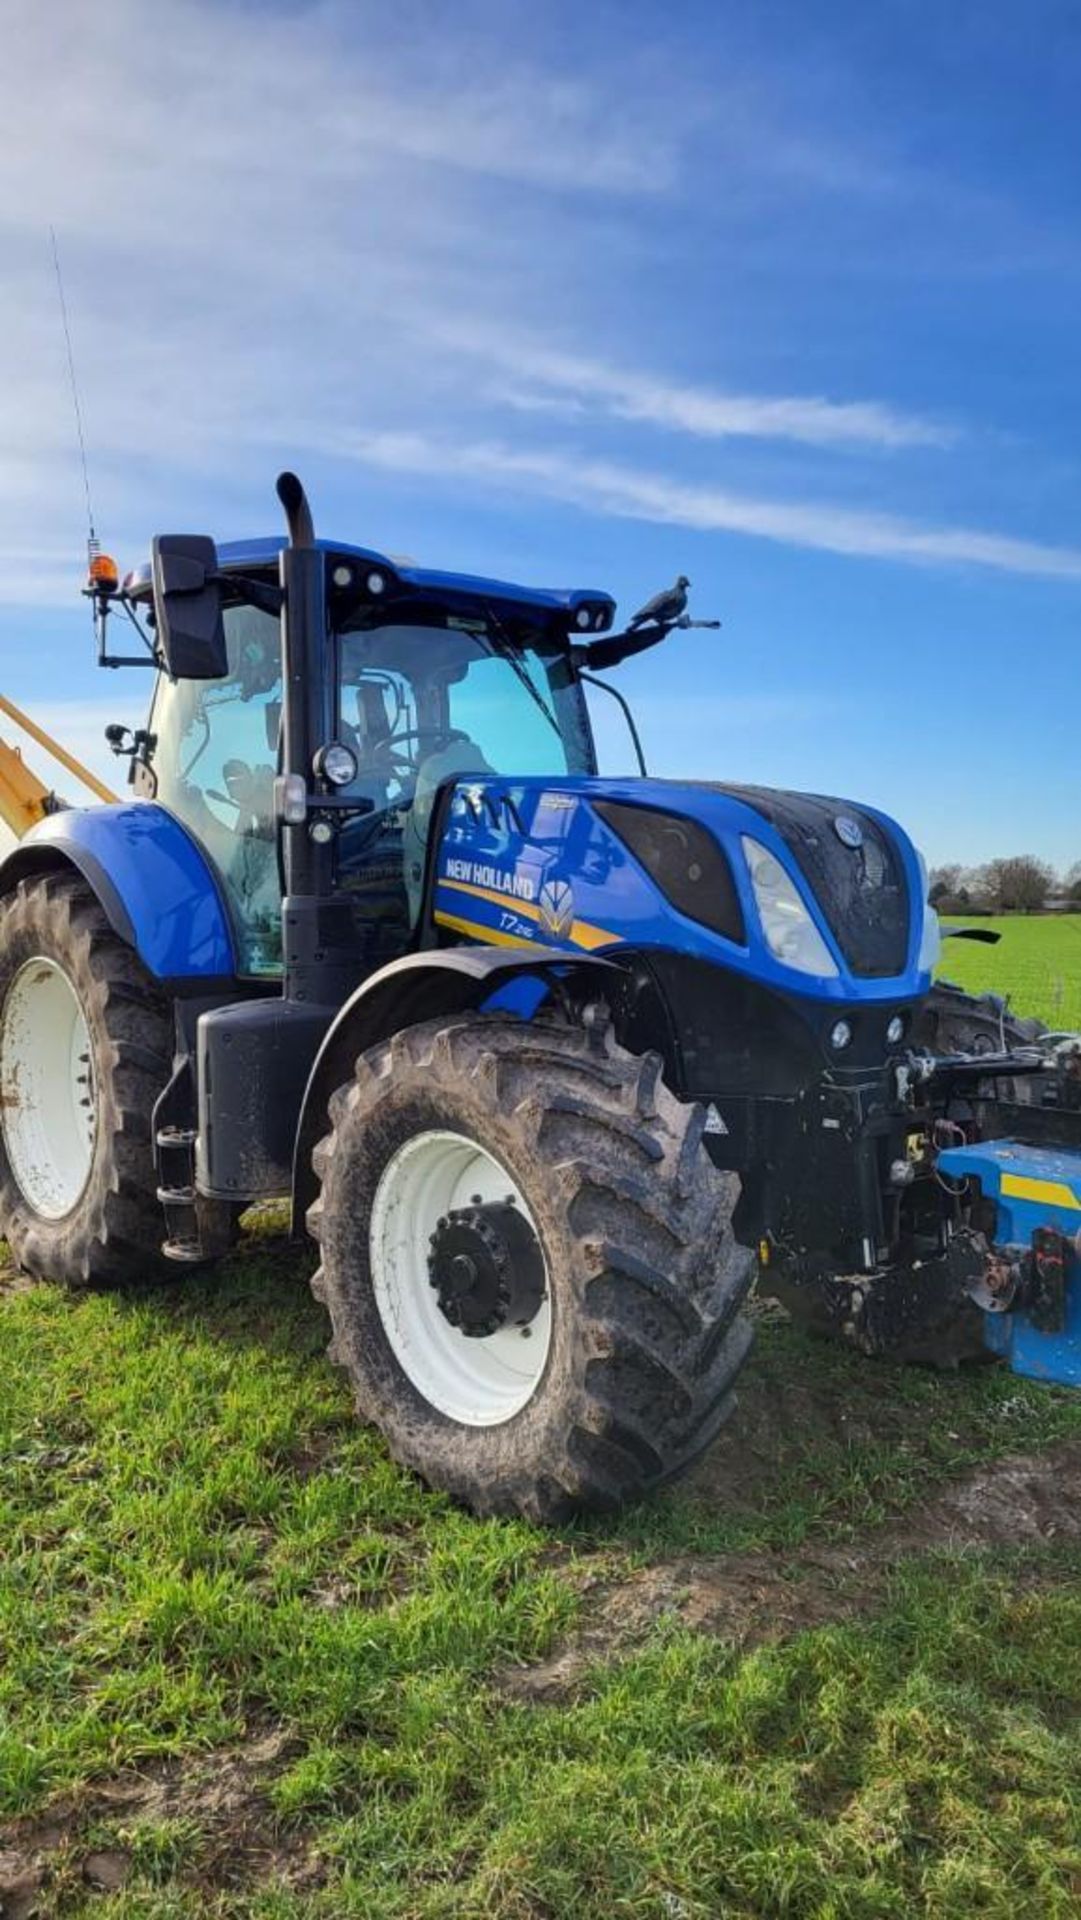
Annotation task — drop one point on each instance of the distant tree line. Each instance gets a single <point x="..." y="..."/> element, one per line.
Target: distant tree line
<point x="1021" y="884"/>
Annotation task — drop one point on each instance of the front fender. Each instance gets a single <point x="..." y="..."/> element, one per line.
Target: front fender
<point x="153" y="881"/>
<point x="419" y="987"/>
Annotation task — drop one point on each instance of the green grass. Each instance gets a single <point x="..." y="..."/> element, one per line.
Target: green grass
<point x="247" y="1658"/>
<point x="204" y="1557"/>
<point x="1037" y="962"/>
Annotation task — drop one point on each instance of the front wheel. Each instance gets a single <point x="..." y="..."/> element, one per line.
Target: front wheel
<point x="529" y="1264"/>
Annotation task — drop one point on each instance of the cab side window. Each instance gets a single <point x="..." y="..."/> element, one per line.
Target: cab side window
<point x="215" y="759"/>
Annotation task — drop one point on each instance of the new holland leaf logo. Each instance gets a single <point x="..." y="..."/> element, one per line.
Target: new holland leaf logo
<point x="555" y="909"/>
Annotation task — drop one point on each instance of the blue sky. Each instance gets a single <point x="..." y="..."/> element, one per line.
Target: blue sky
<point x="783" y="297"/>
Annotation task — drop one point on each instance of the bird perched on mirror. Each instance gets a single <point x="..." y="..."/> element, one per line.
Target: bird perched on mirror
<point x="664" y="608"/>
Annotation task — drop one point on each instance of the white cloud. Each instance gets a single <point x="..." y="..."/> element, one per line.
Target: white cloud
<point x="283" y="107"/>
<point x="630" y="493"/>
<point x="251" y="230"/>
<point x="294" y="222"/>
<point x="567" y="381"/>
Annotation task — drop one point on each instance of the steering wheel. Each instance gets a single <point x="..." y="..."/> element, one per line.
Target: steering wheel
<point x="251" y="791"/>
<point x="428" y="740"/>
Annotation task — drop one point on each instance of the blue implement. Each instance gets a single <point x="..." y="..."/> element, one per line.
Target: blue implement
<point x="1033" y="1188"/>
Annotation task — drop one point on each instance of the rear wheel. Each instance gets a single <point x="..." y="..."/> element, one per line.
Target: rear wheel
<point x="85" y="1050"/>
<point x="529" y="1264"/>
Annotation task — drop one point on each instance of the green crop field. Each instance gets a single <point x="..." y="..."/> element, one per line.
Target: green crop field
<point x="1037" y="963"/>
<point x="250" y="1670"/>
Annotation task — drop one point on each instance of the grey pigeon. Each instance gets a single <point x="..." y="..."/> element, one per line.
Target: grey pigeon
<point x="664" y="608"/>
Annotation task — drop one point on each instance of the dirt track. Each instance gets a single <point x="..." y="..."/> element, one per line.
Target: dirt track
<point x="754" y="1597"/>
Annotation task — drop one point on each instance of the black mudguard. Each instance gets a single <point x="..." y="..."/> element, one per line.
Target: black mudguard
<point x="420" y="987"/>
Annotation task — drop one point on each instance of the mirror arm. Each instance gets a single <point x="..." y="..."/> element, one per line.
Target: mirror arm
<point x="254" y="593"/>
<point x="616" y="647"/>
<point x="620" y="646"/>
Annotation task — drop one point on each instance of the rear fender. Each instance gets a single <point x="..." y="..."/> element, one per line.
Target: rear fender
<point x="152" y="879"/>
<point x="426" y="986"/>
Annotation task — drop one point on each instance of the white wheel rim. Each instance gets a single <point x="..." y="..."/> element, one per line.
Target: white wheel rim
<point x="480" y="1382"/>
<point x="47" y="1101"/>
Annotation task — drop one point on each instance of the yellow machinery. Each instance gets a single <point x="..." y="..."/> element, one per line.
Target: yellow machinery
<point x="24" y="798"/>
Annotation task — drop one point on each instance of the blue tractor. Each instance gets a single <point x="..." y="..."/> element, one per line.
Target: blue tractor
<point x="550" y="1064"/>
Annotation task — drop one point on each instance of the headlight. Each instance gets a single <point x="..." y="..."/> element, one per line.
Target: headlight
<point x="931" y="932"/>
<point x="790" y="932"/>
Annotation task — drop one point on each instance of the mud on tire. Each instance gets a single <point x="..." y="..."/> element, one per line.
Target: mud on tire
<point x="113" y="1232"/>
<point x="953" y="1021"/>
<point x="645" y="1276"/>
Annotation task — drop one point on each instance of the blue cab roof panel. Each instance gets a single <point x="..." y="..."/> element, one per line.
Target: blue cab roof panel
<point x="242" y="554"/>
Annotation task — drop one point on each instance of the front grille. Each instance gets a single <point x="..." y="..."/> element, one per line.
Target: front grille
<point x="861" y="890"/>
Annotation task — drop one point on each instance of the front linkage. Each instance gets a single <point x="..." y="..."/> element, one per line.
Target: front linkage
<point x="968" y="1175"/>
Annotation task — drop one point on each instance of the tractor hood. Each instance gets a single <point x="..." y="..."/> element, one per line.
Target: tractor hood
<point x="815" y="895"/>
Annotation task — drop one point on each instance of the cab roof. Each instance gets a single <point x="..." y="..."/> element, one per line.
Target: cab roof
<point x="243" y="555"/>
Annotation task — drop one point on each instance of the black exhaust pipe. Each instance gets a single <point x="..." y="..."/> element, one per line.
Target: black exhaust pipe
<point x="298" y="514"/>
<point x="309" y="719"/>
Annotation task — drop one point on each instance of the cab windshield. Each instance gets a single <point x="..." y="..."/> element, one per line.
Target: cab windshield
<point x="462" y="695"/>
<point x="421" y="704"/>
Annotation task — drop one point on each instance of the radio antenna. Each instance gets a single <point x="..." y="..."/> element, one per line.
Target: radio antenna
<point x="93" y="544"/>
<point x="102" y="576"/>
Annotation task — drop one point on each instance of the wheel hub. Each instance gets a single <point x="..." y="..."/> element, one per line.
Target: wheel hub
<point x="487" y="1269"/>
<point x="48" y="1102"/>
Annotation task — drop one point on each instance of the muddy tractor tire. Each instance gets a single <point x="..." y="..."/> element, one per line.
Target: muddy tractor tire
<point x="529" y="1266"/>
<point x="953" y="1021"/>
<point x="85" y="1049"/>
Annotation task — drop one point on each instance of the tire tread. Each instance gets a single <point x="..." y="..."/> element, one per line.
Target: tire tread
<point x="656" y="1274"/>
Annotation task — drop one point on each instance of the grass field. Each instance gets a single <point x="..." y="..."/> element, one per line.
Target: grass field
<point x="248" y="1668"/>
<point x="1037" y="962"/>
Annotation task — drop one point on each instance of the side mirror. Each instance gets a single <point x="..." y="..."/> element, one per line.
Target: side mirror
<point x="187" y="606"/>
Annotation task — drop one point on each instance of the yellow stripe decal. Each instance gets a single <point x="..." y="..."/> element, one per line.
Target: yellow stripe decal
<point x="584" y="935"/>
<point x="1054" y="1193"/>
<point x="582" y="932"/>
<point x="489" y="935"/>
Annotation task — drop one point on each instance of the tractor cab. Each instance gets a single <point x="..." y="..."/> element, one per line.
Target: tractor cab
<point x="415" y="677"/>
